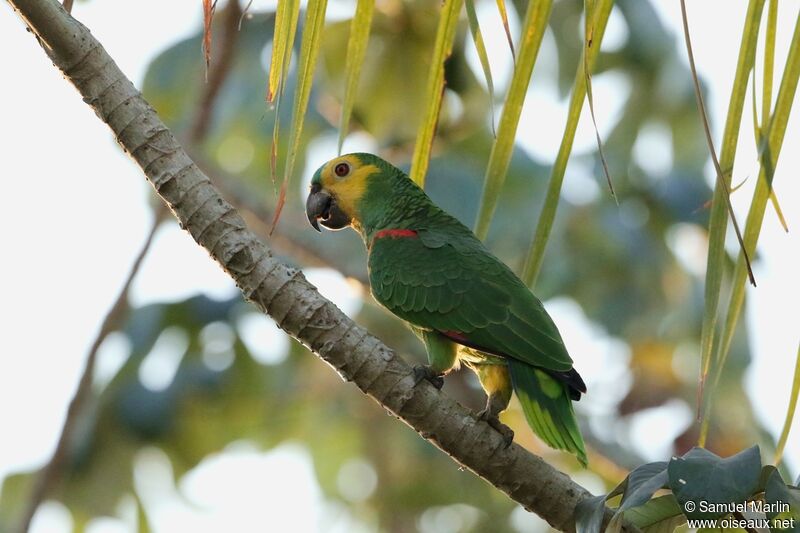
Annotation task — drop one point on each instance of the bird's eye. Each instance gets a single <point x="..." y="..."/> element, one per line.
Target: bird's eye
<point x="342" y="169"/>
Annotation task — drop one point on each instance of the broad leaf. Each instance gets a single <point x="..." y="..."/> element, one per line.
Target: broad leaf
<point x="701" y="476"/>
<point x="643" y="483"/>
<point x="659" y="515"/>
<point x="589" y="514"/>
<point x="783" y="505"/>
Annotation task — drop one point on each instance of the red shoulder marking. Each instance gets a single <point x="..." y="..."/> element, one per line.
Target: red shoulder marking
<point x="456" y="336"/>
<point x="394" y="234"/>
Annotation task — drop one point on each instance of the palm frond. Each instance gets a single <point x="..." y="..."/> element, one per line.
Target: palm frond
<point x="535" y="255"/>
<point x="445" y="35"/>
<point x="533" y="29"/>
<point x="356" y="50"/>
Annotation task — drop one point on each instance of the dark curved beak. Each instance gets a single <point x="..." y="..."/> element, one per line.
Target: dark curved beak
<point x="318" y="205"/>
<point x="321" y="207"/>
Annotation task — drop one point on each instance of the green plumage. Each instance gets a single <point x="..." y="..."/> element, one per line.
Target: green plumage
<point x="443" y="281"/>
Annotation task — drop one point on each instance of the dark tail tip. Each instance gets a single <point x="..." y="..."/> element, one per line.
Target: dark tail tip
<point x="573" y="381"/>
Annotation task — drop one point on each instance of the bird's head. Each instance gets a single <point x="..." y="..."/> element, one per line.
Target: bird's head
<point x="338" y="188"/>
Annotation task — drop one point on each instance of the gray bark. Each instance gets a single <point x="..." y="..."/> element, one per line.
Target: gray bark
<point x="282" y="292"/>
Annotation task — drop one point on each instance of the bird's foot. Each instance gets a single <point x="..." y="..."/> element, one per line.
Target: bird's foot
<point x="493" y="420"/>
<point x="425" y="372"/>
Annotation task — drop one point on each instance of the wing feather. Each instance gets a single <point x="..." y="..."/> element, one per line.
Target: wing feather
<point x="452" y="283"/>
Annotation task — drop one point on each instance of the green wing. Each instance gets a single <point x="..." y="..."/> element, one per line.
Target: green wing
<point x="449" y="282"/>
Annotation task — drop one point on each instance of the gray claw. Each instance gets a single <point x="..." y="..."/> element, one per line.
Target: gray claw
<point x="425" y="372"/>
<point x="491" y="419"/>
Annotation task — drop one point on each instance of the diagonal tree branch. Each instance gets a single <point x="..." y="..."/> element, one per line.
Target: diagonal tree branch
<point x="283" y="292"/>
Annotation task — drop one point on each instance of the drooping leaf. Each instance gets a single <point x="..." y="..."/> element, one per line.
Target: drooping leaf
<point x="768" y="154"/>
<point x="717" y="222"/>
<point x="356" y="50"/>
<point x="587" y="72"/>
<point x="445" y="34"/>
<point x="282" y="43"/>
<point x="721" y="176"/>
<point x="643" y="482"/>
<point x="501" y="8"/>
<point x="535" y="255"/>
<point x="282" y="46"/>
<point x="700" y="475"/>
<point x="533" y="28"/>
<point x="309" y="51"/>
<point x="659" y="515"/>
<point x="766" y="93"/>
<point x="208" y="16"/>
<point x="589" y="514"/>
<point x="483" y="56"/>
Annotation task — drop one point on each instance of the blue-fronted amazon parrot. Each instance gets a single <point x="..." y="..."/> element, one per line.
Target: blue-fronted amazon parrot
<point x="466" y="305"/>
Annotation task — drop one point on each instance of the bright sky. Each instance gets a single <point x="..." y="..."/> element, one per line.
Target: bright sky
<point x="77" y="212"/>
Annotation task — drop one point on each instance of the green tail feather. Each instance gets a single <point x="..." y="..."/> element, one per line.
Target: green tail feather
<point x="547" y="408"/>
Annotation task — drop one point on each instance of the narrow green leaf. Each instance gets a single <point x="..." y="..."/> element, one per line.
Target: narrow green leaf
<point x="718" y="221"/>
<point x="588" y="42"/>
<point x="768" y="153"/>
<point x="759" y="127"/>
<point x="533" y="28"/>
<point x="282" y="47"/>
<point x="766" y="95"/>
<point x="533" y="260"/>
<point x="279" y="46"/>
<point x="480" y="48"/>
<point x="445" y="35"/>
<point x="356" y="50"/>
<point x="501" y="7"/>
<point x="790" y="410"/>
<point x="769" y="63"/>
<point x="707" y="129"/>
<point x="309" y="51"/>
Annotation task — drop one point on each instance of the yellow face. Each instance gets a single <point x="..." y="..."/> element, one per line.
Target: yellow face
<point x="345" y="178"/>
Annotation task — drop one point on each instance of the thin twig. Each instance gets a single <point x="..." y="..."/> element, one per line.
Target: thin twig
<point x="707" y="129"/>
<point x="67" y="4"/>
<point x="244" y="13"/>
<point x="218" y="70"/>
<point x="53" y="470"/>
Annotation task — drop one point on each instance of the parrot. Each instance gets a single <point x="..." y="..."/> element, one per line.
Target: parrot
<point x="465" y="304"/>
